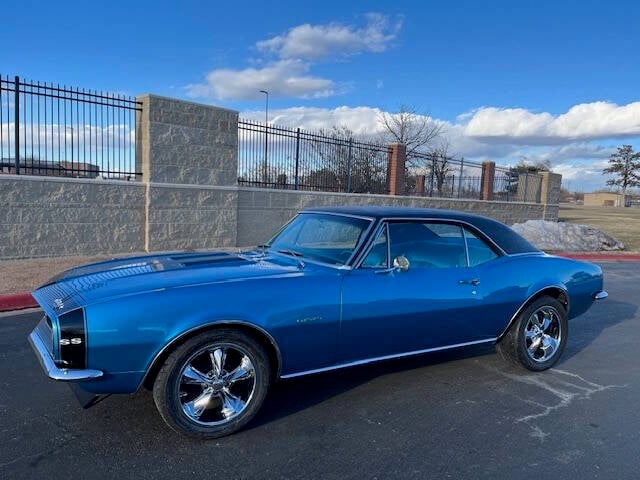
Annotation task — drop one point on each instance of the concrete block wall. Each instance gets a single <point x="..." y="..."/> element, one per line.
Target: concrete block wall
<point x="189" y="198"/>
<point x="184" y="217"/>
<point x="550" y="194"/>
<point x="188" y="143"/>
<point x="53" y="216"/>
<point x="262" y="211"/>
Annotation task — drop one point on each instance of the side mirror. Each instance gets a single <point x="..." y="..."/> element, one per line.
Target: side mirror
<point x="401" y="263"/>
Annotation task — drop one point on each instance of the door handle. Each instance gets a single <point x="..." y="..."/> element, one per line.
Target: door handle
<point x="475" y="282"/>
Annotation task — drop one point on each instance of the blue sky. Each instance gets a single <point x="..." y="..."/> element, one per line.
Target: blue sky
<point x="541" y="79"/>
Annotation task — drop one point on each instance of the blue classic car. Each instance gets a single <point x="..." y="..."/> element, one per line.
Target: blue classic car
<point x="208" y="332"/>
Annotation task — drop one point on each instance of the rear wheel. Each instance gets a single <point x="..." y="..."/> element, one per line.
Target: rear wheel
<point x="213" y="384"/>
<point x="538" y="336"/>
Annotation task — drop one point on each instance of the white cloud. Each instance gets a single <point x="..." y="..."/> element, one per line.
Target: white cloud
<point x="587" y="121"/>
<point x="288" y="76"/>
<point x="579" y="161"/>
<point x="285" y="78"/>
<point x="314" y="42"/>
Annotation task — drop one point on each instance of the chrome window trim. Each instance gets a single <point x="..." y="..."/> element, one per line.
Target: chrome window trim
<point x="356" y="248"/>
<point x="473" y="228"/>
<point x="386" y="357"/>
<point x="382" y="227"/>
<point x="466" y="246"/>
<point x="175" y="340"/>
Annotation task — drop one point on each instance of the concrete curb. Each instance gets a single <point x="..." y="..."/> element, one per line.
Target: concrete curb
<point x="22" y="301"/>
<point x="18" y="301"/>
<point x="601" y="256"/>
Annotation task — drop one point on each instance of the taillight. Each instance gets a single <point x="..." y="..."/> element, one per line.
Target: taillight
<point x="72" y="339"/>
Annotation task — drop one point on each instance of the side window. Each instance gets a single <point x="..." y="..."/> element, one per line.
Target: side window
<point x="428" y="244"/>
<point x="377" y="257"/>
<point x="479" y="251"/>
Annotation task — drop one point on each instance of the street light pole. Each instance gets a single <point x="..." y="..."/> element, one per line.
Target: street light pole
<point x="265" y="169"/>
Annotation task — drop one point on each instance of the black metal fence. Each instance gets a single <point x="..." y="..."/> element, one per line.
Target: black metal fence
<point x="435" y="175"/>
<point x="271" y="156"/>
<point x="277" y="157"/>
<point x="54" y="130"/>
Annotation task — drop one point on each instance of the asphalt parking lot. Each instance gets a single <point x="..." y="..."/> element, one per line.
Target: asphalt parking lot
<point x="437" y="416"/>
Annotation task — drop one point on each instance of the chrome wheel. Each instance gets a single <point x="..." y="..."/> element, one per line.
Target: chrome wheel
<point x="216" y="384"/>
<point x="543" y="334"/>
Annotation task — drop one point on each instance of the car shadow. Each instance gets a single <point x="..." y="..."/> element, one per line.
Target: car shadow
<point x="288" y="397"/>
<point x="586" y="328"/>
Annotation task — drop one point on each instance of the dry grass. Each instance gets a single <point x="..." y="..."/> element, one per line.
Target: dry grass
<point x="622" y="223"/>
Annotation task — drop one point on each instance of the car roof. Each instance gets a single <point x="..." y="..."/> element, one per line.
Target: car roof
<point x="503" y="236"/>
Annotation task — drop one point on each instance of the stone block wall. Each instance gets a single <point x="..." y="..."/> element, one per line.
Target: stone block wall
<point x="53" y="216"/>
<point x="189" y="198"/>
<point x="262" y="211"/>
<point x="183" y="217"/>
<point x="184" y="142"/>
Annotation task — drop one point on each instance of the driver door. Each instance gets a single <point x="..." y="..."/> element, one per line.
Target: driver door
<point x="432" y="304"/>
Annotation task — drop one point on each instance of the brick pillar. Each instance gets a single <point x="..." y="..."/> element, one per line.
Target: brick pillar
<point x="396" y="168"/>
<point x="420" y="185"/>
<point x="488" y="175"/>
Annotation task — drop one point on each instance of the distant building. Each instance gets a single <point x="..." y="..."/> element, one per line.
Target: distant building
<point x="54" y="169"/>
<point x="606" y="199"/>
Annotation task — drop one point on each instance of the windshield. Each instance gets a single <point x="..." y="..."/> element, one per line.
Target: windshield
<point x="322" y="237"/>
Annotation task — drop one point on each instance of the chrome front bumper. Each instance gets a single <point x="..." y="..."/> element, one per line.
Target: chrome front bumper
<point x="601" y="295"/>
<point x="50" y="367"/>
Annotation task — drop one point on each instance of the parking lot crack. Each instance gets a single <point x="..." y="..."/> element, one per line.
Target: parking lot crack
<point x="565" y="388"/>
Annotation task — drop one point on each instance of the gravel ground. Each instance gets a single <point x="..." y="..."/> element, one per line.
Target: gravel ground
<point x="17" y="276"/>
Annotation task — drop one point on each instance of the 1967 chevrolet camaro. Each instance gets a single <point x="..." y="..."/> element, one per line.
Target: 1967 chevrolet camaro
<point x="209" y="332"/>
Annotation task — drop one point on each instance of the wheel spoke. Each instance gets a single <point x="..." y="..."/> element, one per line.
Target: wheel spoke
<point x="546" y="321"/>
<point x="193" y="376"/>
<point x="549" y="345"/>
<point x="529" y="334"/>
<point x="241" y="372"/>
<point x="535" y="344"/>
<point x="231" y="405"/>
<point x="198" y="405"/>
<point x="218" y="357"/>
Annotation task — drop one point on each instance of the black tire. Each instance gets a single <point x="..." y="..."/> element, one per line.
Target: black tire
<point x="169" y="385"/>
<point x="513" y="346"/>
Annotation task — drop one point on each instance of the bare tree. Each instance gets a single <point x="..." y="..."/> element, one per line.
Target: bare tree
<point x="417" y="132"/>
<point x="441" y="166"/>
<point x="347" y="162"/>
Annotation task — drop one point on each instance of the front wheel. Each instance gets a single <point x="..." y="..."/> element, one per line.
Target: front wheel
<point x="538" y="335"/>
<point x="213" y="384"/>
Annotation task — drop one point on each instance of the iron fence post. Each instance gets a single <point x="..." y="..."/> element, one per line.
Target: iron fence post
<point x="297" y="158"/>
<point x="265" y="167"/>
<point x="460" y="176"/>
<point x="16" y="123"/>
<point x="349" y="165"/>
<point x="433" y="173"/>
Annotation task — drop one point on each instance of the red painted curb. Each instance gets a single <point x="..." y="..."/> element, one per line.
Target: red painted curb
<point x="601" y="256"/>
<point x="18" y="301"/>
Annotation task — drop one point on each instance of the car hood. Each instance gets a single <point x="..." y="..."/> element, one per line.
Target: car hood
<point x="94" y="282"/>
